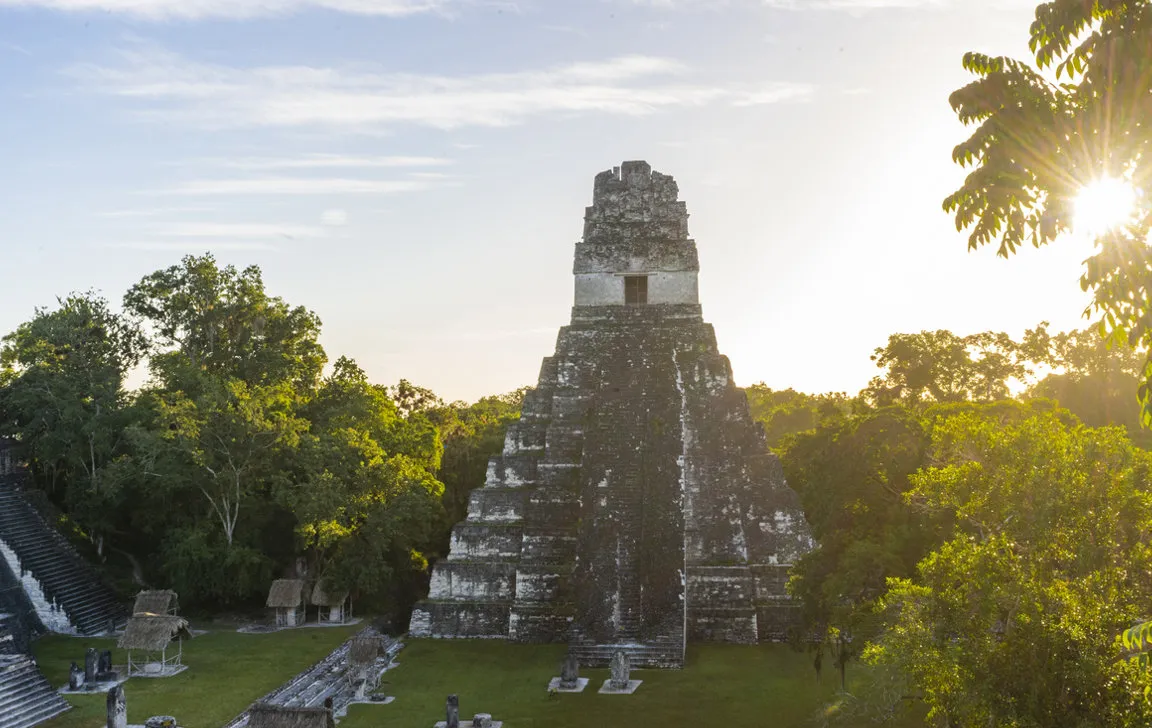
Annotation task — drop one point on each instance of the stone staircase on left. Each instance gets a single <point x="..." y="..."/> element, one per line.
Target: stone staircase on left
<point x="66" y="591"/>
<point x="26" y="697"/>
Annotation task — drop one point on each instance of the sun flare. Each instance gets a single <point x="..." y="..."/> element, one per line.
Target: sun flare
<point x="1103" y="205"/>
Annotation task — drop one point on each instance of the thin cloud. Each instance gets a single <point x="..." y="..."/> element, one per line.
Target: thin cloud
<point x="239" y="230"/>
<point x="168" y="10"/>
<point x="334" y="161"/>
<point x="774" y="94"/>
<point x="295" y="186"/>
<point x="169" y="87"/>
<point x="568" y="29"/>
<point x="13" y="46"/>
<point x="335" y="217"/>
<point x="852" y="5"/>
<point x="152" y="211"/>
<point x="190" y="246"/>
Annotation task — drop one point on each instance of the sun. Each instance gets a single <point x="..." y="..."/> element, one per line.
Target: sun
<point x="1103" y="205"/>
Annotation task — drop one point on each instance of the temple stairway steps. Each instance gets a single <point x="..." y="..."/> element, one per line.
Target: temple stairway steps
<point x="65" y="577"/>
<point x="26" y="697"/>
<point x="658" y="653"/>
<point x="325" y="679"/>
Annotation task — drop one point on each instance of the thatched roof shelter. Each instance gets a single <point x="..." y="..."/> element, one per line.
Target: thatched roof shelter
<point x="265" y="715"/>
<point x="322" y="597"/>
<point x="286" y="593"/>
<point x="153" y="632"/>
<point x="160" y="601"/>
<point x="364" y="649"/>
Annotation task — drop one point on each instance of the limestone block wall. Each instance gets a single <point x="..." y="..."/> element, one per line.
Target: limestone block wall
<point x="607" y="289"/>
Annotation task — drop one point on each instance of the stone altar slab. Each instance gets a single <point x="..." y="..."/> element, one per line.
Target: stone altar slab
<point x="96" y="687"/>
<point x="581" y="683"/>
<point x="607" y="689"/>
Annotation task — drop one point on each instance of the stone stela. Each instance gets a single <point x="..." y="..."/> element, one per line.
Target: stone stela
<point x="635" y="505"/>
<point x="619" y="682"/>
<point x="479" y="720"/>
<point x="97" y="675"/>
<point x="569" y="680"/>
<point x="117" y="707"/>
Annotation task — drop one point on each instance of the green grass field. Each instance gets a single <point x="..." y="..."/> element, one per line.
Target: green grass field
<point x="722" y="685"/>
<point x="226" y="672"/>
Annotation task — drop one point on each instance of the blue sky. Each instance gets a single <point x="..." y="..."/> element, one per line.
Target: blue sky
<point x="415" y="171"/>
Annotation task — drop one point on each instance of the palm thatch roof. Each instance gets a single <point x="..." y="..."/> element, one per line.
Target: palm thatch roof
<point x="265" y="715"/>
<point x="287" y="593"/>
<point x="364" y="649"/>
<point x="322" y="597"/>
<point x="160" y="601"/>
<point x="153" y="632"/>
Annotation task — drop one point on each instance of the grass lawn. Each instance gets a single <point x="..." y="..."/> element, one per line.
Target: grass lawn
<point x="722" y="685"/>
<point x="226" y="672"/>
<point x="764" y="685"/>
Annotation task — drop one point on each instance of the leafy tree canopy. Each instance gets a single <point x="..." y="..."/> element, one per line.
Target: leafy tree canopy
<point x="63" y="397"/>
<point x="785" y="412"/>
<point x="222" y="320"/>
<point x="853" y="477"/>
<point x="1078" y="111"/>
<point x="1011" y="621"/>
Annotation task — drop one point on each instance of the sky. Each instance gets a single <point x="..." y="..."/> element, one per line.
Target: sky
<point x="416" y="171"/>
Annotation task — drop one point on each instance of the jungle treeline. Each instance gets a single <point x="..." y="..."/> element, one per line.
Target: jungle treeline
<point x="246" y="455"/>
<point x="982" y="507"/>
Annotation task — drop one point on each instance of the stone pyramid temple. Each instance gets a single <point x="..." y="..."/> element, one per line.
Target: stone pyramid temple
<point x="635" y="505"/>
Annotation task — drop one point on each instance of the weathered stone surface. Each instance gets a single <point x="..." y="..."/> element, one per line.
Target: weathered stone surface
<point x="635" y="504"/>
<point x="116" y="708"/>
<point x="620" y="669"/>
<point x="453" y="711"/>
<point x="570" y="671"/>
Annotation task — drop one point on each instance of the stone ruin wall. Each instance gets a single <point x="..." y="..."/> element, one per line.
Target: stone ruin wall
<point x="635" y="502"/>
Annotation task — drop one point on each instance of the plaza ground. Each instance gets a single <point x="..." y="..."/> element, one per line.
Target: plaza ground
<point x="763" y="685"/>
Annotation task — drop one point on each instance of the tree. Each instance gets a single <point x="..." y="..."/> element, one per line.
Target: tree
<point x="1093" y="379"/>
<point x="222" y="321"/>
<point x="225" y="439"/>
<point x="363" y="495"/>
<point x="1011" y="621"/>
<point x="412" y="399"/>
<point x="472" y="434"/>
<point x="63" y="398"/>
<point x="940" y="366"/>
<point x="786" y="412"/>
<point x="1039" y="142"/>
<point x="853" y="477"/>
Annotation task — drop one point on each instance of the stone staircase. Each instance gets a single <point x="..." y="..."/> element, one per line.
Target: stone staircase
<point x="65" y="578"/>
<point x="325" y="679"/>
<point x="665" y="652"/>
<point x="26" y="697"/>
